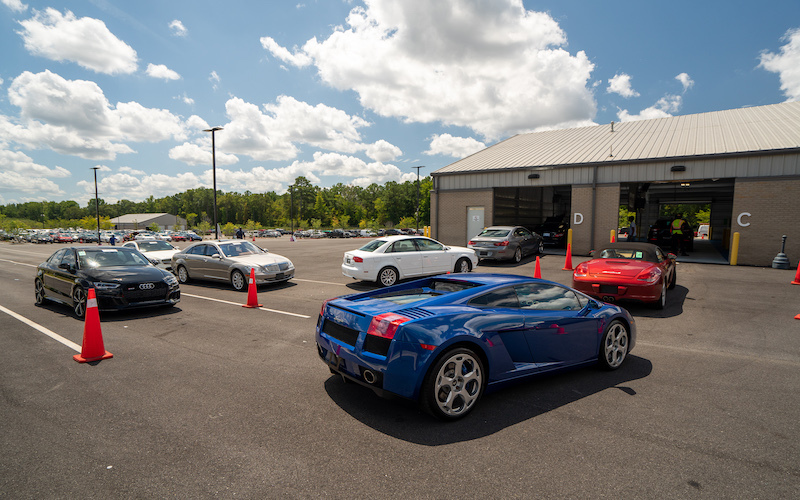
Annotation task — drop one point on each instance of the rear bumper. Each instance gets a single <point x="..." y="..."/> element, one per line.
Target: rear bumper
<point x="609" y="291"/>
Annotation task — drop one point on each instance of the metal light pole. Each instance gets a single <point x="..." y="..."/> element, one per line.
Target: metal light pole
<point x="214" y="175"/>
<point x="291" y="209"/>
<point x="97" y="205"/>
<point x="417" y="217"/>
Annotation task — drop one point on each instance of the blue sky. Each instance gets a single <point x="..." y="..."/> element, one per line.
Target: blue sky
<point x="350" y="91"/>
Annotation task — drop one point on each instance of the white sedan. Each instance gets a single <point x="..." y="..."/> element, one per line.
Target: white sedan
<point x="159" y="252"/>
<point x="392" y="258"/>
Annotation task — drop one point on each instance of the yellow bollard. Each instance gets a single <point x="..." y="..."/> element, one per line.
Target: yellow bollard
<point x="569" y="236"/>
<point x="735" y="249"/>
<point x="612" y="238"/>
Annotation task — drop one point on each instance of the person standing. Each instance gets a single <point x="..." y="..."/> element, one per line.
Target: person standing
<point x="113" y="239"/>
<point x="677" y="228"/>
<point x="631" y="228"/>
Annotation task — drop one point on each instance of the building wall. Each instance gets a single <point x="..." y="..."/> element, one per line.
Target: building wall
<point x="606" y="216"/>
<point x="774" y="208"/>
<point x="449" y="213"/>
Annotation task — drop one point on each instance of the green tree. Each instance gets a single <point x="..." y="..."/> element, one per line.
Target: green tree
<point x="154" y="227"/>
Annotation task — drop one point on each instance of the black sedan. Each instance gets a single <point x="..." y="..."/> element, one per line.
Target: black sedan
<point x="121" y="277"/>
<point x="661" y="235"/>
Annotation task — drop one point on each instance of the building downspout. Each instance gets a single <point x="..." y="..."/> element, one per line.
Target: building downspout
<point x="594" y="206"/>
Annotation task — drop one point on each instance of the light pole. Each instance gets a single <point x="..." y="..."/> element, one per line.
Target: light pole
<point x="421" y="166"/>
<point x="214" y="174"/>
<point x="97" y="204"/>
<point x="291" y="211"/>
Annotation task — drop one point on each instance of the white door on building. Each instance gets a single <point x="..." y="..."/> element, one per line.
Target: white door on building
<point x="475" y="222"/>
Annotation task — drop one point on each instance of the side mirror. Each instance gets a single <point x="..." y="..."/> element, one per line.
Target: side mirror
<point x="672" y="256"/>
<point x="66" y="267"/>
<point x="216" y="256"/>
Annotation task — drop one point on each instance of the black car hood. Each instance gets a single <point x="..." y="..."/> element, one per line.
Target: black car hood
<point x="124" y="274"/>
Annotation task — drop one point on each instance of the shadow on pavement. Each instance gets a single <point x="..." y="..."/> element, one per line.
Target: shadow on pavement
<point x="496" y="411"/>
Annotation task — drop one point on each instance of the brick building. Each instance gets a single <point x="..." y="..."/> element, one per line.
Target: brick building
<point x="743" y="163"/>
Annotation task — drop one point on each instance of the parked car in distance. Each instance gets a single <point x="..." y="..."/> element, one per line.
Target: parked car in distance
<point x="443" y="341"/>
<point x="159" y="252"/>
<point x="121" y="277"/>
<point x="627" y="271"/>
<point x="506" y="243"/>
<point x="554" y="231"/>
<point x="230" y="261"/>
<point x="661" y="235"/>
<point x="392" y="258"/>
<point x="703" y="231"/>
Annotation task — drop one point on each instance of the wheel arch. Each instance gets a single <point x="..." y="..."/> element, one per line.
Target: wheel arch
<point x="466" y="342"/>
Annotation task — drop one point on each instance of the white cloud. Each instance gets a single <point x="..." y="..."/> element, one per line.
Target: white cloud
<point x="178" y="29"/>
<point x="685" y="80"/>
<point x="494" y="67"/>
<point x="132" y="185"/>
<point x="186" y="99"/>
<point x="161" y="71"/>
<point x="786" y="64"/>
<point x="214" y="79"/>
<point x="74" y="117"/>
<point x="85" y="41"/>
<point x="194" y="154"/>
<point x="663" y="108"/>
<point x="621" y="84"/>
<point x="457" y="147"/>
<point x="129" y="170"/>
<point x="20" y="174"/>
<point x="15" y="5"/>
<point x="383" y="151"/>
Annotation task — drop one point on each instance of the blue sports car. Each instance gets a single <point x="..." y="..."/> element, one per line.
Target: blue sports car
<point x="443" y="340"/>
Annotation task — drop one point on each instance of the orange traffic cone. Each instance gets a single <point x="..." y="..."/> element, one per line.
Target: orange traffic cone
<point x="797" y="276"/>
<point x="252" y="291"/>
<point x="92" y="348"/>
<point x="537" y="272"/>
<point x="797" y="317"/>
<point x="568" y="260"/>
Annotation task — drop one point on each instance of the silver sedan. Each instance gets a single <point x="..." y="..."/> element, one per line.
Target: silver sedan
<point x="506" y="242"/>
<point x="230" y="261"/>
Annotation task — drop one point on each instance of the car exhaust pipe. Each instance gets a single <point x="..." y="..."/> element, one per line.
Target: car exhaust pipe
<point x="608" y="298"/>
<point x="369" y="376"/>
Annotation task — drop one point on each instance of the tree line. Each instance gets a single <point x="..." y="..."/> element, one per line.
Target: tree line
<point x="303" y="205"/>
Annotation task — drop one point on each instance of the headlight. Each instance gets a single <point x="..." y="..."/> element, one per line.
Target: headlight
<point x="170" y="279"/>
<point x="105" y="286"/>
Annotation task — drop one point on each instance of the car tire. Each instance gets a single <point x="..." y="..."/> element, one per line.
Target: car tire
<point x="238" y="281"/>
<point x="454" y="384"/>
<point x="79" y="302"/>
<point x="463" y="265"/>
<point x="182" y="274"/>
<point x="540" y="250"/>
<point x="518" y="255"/>
<point x="674" y="279"/>
<point x="614" y="347"/>
<point x="38" y="290"/>
<point x="662" y="299"/>
<point x="388" y="276"/>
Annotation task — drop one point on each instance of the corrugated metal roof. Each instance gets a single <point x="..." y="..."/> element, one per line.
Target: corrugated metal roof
<point x="736" y="131"/>
<point x="137" y="218"/>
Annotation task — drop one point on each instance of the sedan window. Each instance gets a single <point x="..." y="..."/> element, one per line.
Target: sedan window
<point x="55" y="259"/>
<point x="69" y="258"/>
<point x="373" y="245"/>
<point x="404" y="246"/>
<point x="426" y="245"/>
<point x="197" y="250"/>
<point x="545" y="297"/>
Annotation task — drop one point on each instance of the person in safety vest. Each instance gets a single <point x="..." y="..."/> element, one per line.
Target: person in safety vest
<point x="677" y="229"/>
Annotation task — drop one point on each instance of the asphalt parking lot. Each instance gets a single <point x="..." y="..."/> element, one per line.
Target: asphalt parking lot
<point x="210" y="399"/>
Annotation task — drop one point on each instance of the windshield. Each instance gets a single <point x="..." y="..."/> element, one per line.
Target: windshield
<point x="494" y="233"/>
<point x="155" y="245"/>
<point x="239" y="249"/>
<point x="110" y="257"/>
<point x="622" y="253"/>
<point x="372" y="245"/>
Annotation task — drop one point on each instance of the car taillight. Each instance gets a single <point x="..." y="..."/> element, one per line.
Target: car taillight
<point x="650" y="276"/>
<point x="385" y="325"/>
<point x="503" y="243"/>
<point x="358" y="259"/>
<point x="322" y="309"/>
<point x="582" y="270"/>
<point x="471" y="242"/>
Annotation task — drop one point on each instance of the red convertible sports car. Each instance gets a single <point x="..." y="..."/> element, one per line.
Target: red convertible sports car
<point x="627" y="271"/>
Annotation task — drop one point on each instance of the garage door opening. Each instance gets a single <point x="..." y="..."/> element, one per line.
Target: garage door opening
<point x="540" y="209"/>
<point x="705" y="204"/>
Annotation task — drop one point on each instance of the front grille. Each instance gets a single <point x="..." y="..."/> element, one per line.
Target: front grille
<point x="134" y="293"/>
<point x="340" y="332"/>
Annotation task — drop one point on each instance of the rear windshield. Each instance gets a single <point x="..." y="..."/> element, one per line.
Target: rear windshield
<point x="494" y="233"/>
<point x="372" y="245"/>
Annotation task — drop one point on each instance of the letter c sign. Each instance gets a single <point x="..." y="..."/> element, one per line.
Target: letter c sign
<point x="578" y="219"/>
<point x="739" y="219"/>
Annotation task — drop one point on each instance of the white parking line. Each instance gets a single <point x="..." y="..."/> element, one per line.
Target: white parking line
<point x="19" y="263"/>
<point x="49" y="333"/>
<point x="239" y="304"/>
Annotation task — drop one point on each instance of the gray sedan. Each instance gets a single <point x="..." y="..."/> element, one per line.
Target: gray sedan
<point x="506" y="242"/>
<point x="230" y="261"/>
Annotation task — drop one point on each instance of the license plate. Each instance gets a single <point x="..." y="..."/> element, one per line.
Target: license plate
<point x="609" y="289"/>
<point x="546" y="235"/>
<point x="279" y="276"/>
